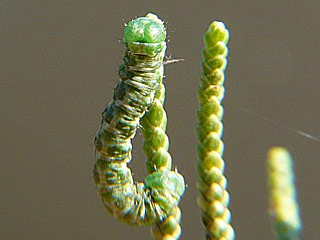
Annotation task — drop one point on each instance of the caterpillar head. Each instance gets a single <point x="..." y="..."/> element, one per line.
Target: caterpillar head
<point x="148" y="29"/>
<point x="145" y="35"/>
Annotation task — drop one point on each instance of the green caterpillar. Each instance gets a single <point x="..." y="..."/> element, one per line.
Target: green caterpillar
<point x="141" y="76"/>
<point x="213" y="199"/>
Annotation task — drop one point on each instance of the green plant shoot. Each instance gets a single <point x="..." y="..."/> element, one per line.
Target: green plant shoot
<point x="213" y="199"/>
<point x="283" y="205"/>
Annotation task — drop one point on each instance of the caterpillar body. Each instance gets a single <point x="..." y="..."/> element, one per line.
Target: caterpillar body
<point x="141" y="76"/>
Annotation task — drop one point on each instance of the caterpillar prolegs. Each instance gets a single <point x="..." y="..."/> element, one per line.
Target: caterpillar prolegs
<point x="138" y="95"/>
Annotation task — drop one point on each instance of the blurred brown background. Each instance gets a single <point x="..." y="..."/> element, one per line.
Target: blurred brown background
<point x="59" y="63"/>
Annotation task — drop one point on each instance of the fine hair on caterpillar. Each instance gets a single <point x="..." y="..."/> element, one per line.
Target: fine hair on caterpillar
<point x="137" y="100"/>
